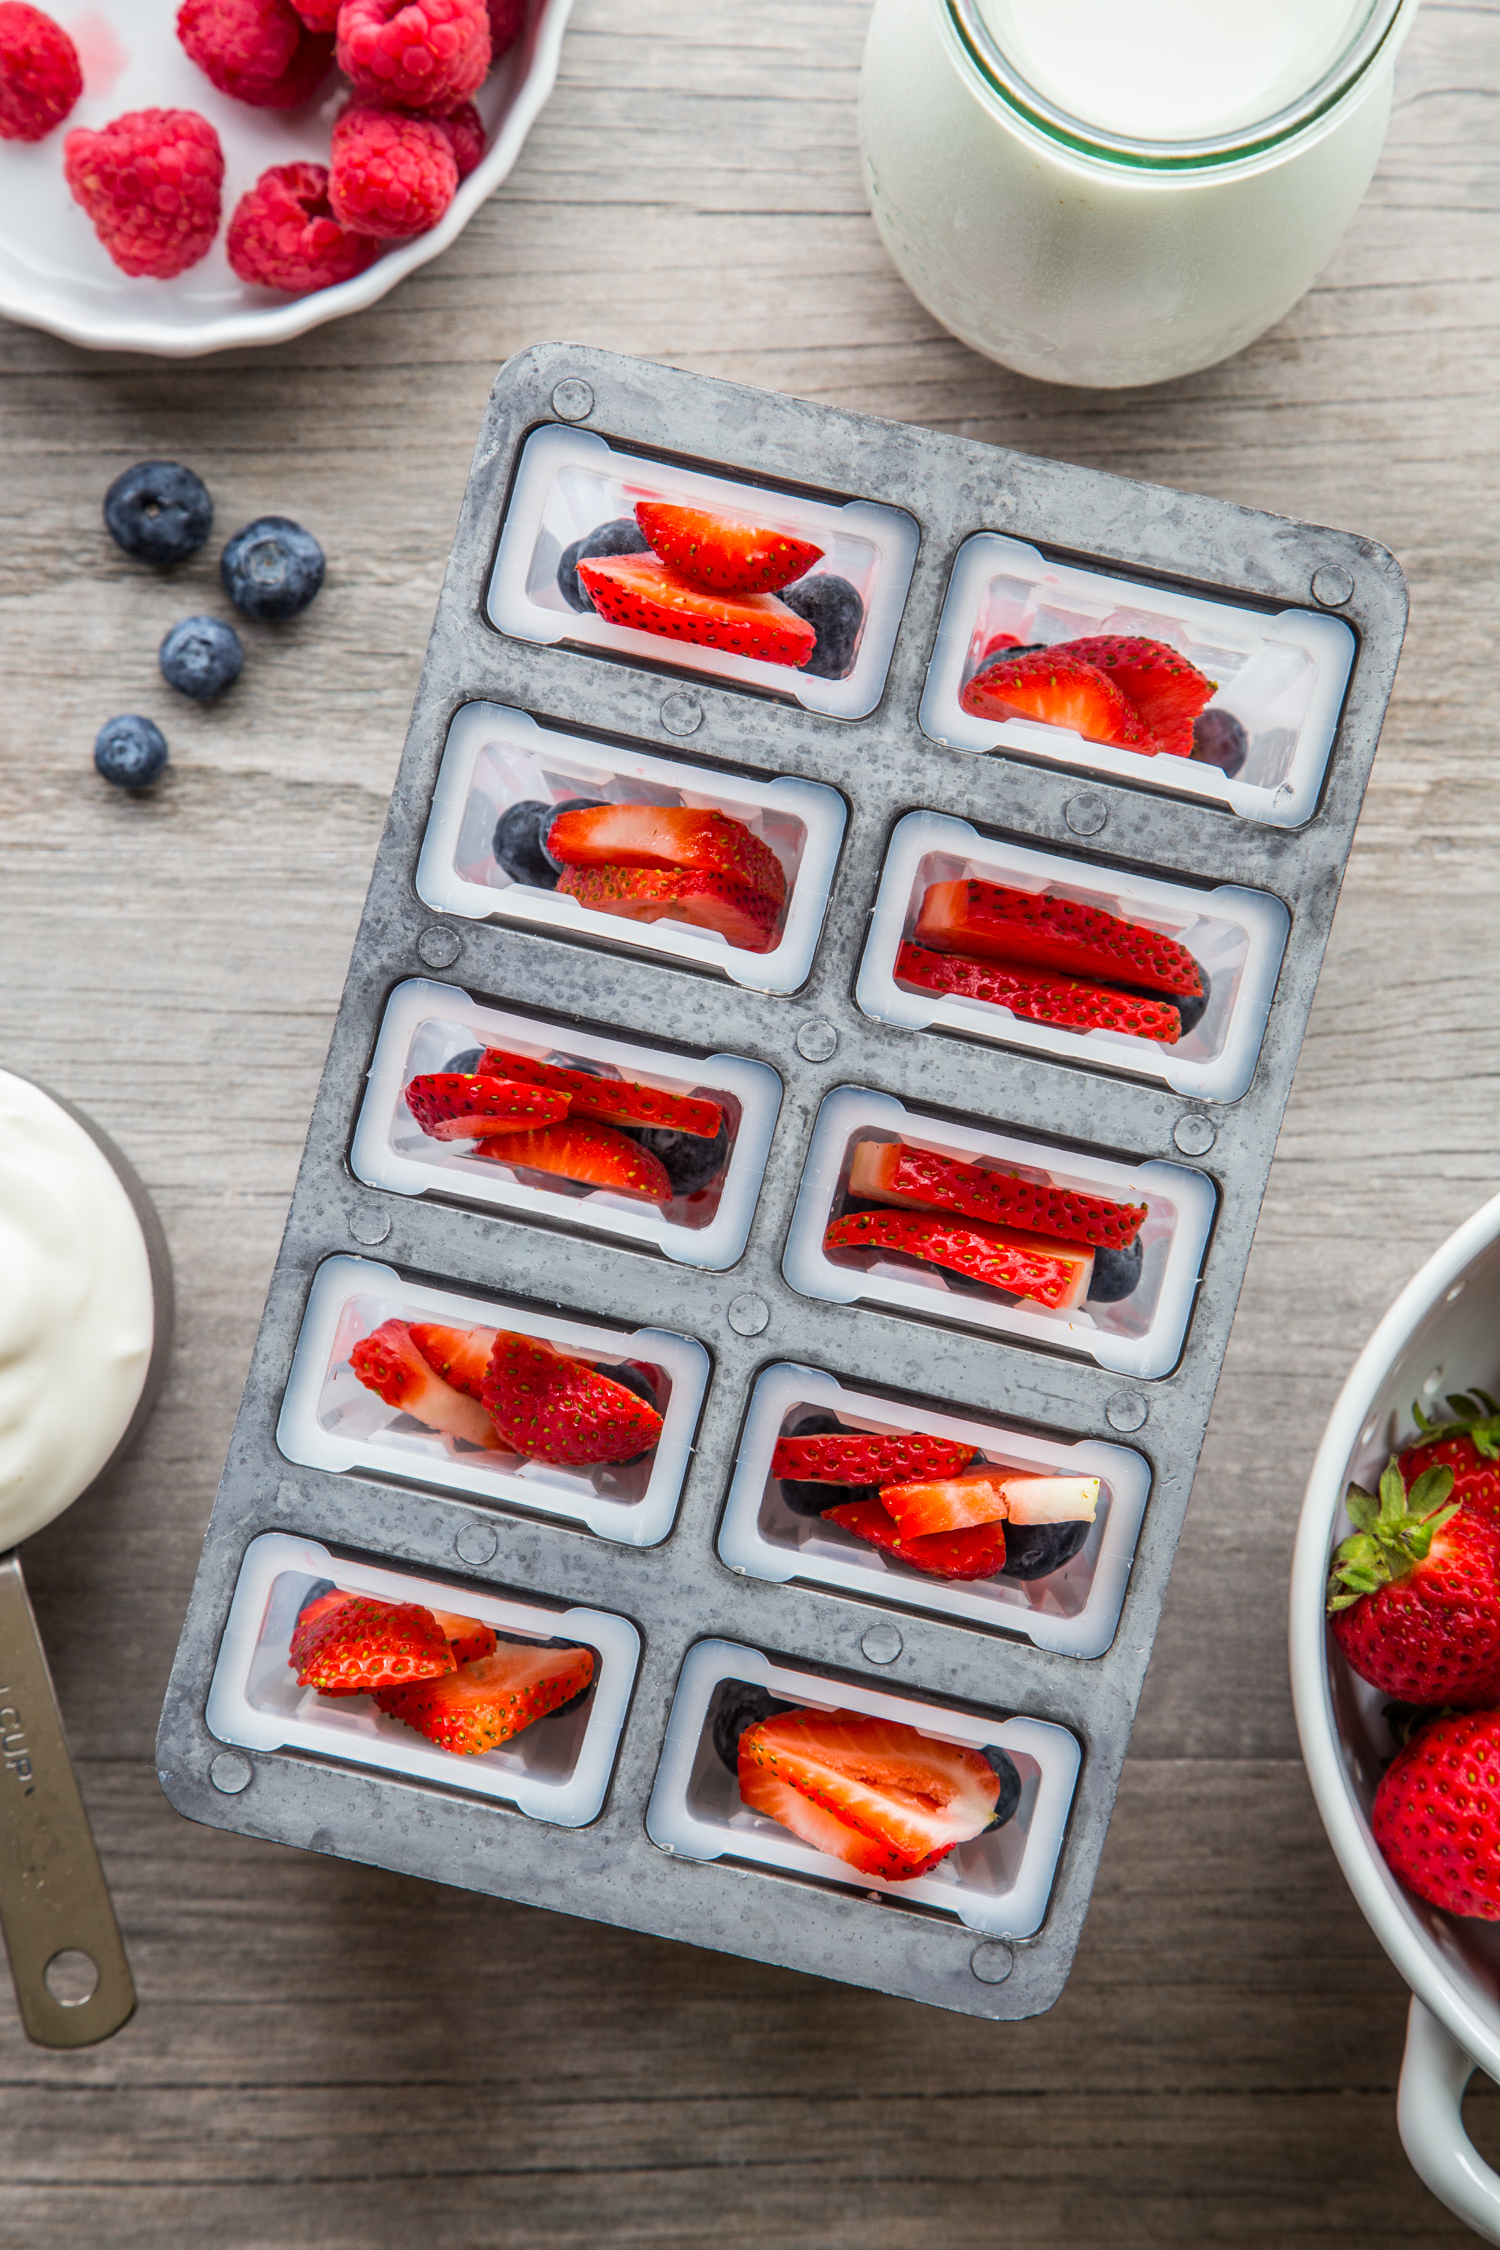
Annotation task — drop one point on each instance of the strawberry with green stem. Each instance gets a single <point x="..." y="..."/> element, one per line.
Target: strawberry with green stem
<point x="1469" y="1445"/>
<point x="1414" y="1593"/>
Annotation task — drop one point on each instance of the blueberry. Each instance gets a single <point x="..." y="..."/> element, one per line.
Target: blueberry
<point x="817" y="1424"/>
<point x="835" y="612"/>
<point x="691" y="1159"/>
<point x="569" y="804"/>
<point x="622" y="537"/>
<point x="518" y="846"/>
<point x="631" y="1379"/>
<point x="158" y="511"/>
<point x="315" y="1593"/>
<point x="130" y="750"/>
<point x="1116" y="1274"/>
<point x="741" y="1706"/>
<point x="1010" y="1784"/>
<point x="272" y="568"/>
<point x="201" y="657"/>
<point x="1193" y="1007"/>
<point x="1035" y="1550"/>
<point x="1220" y="740"/>
<point x="467" y="1063"/>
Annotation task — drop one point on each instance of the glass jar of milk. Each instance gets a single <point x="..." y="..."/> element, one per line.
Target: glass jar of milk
<point x="1118" y="191"/>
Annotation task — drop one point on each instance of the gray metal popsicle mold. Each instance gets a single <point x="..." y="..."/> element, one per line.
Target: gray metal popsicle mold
<point x="678" y="1592"/>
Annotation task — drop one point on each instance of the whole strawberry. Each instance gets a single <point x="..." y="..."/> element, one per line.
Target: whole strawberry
<point x="1469" y="1445"/>
<point x="1415" y="1593"/>
<point x="1436" y="1815"/>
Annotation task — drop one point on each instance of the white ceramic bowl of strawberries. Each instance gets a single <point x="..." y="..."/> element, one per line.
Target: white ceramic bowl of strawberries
<point x="1440" y="1338"/>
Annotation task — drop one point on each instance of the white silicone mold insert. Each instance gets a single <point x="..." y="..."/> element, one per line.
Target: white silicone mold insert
<point x="427" y="1025"/>
<point x="1237" y="935"/>
<point x="1140" y="1335"/>
<point x="556" y="1770"/>
<point x="496" y="757"/>
<point x="999" y="1883"/>
<point x="330" y="1421"/>
<point x="1074" y="1610"/>
<point x="1283" y="676"/>
<point x="569" y="482"/>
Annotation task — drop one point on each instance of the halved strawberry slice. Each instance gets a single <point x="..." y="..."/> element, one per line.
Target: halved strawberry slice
<point x="388" y="1363"/>
<point x="1037" y="996"/>
<point x="484" y="1703"/>
<point x="1054" y="1274"/>
<point x="594" y="1155"/>
<point x="366" y="1644"/>
<point x="1030" y="930"/>
<point x="639" y="592"/>
<point x="867" y="1457"/>
<point x="1165" y="689"/>
<point x="466" y="1637"/>
<point x="563" y="1410"/>
<point x="460" y="1355"/>
<point x="901" y="1800"/>
<point x="721" y="552"/>
<point x="978" y="1552"/>
<point x="617" y="1101"/>
<point x="987" y="1495"/>
<point x="747" y="917"/>
<point x="452" y="1106"/>
<point x="666" y="836"/>
<point x="320" y="1606"/>
<point x="892" y="1172"/>
<point x="1060" y="689"/>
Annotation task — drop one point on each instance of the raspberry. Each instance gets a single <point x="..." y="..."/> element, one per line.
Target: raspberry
<point x="392" y="175"/>
<point x="39" y="75"/>
<point x="284" y="236"/>
<point x="415" y="54"/>
<point x="257" y="51"/>
<point x="465" y="131"/>
<point x="150" y="182"/>
<point x="318" y="15"/>
<point x="506" y="19"/>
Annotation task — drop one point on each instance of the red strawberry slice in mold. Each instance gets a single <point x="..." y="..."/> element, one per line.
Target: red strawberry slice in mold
<point x="640" y="592"/>
<point x="388" y="1363"/>
<point x="743" y="915"/>
<point x="365" y="1644"/>
<point x="1164" y="688"/>
<point x="460" y="1355"/>
<point x="562" y="1410"/>
<point x="1037" y="996"/>
<point x="666" y="836"/>
<point x="867" y="1456"/>
<point x="1031" y="930"/>
<point x="978" y="1552"/>
<point x="484" y="1702"/>
<point x="926" y="1508"/>
<point x="451" y="1105"/>
<point x="614" y="1101"/>
<point x="594" y="1155"/>
<point x="722" y="553"/>
<point x="872" y="1792"/>
<point x="466" y="1637"/>
<point x="893" y="1172"/>
<point x="1060" y="689"/>
<point x="1054" y="1274"/>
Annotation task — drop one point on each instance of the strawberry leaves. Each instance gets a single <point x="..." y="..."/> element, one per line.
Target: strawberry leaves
<point x="1475" y="1417"/>
<point x="1392" y="1534"/>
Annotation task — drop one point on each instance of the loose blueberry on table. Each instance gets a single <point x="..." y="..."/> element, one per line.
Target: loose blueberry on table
<point x="201" y="657"/>
<point x="130" y="750"/>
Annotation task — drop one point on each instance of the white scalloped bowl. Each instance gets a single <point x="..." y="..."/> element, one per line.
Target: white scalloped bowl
<point x="55" y="273"/>
<point x="1441" y="1335"/>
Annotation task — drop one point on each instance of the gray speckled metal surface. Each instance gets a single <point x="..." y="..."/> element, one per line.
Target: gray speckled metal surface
<point x="679" y="1592"/>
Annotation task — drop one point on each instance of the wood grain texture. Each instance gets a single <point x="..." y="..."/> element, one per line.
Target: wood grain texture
<point x="327" y="2055"/>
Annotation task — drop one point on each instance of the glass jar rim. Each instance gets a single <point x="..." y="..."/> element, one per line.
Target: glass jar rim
<point x="1226" y="148"/>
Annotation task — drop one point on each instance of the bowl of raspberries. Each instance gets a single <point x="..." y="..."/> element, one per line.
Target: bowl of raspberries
<point x="180" y="176"/>
<point x="1395" y="1658"/>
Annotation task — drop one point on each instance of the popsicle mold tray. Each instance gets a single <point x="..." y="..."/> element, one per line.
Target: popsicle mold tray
<point x="755" y="1286"/>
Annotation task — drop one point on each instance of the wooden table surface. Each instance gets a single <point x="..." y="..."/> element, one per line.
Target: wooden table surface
<point x="326" y="2055"/>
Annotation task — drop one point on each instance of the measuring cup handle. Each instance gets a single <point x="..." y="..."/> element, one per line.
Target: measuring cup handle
<point x="1435" y="2069"/>
<point x="53" y="1897"/>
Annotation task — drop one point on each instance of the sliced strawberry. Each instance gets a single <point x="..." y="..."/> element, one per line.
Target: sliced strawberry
<point x="563" y="1410"/>
<point x="1039" y="997"/>
<point x="978" y="1552"/>
<point x="640" y="592"/>
<point x="891" y="1172"/>
<point x="1060" y="689"/>
<point x="1029" y="930"/>
<point x="452" y="1106"/>
<point x="1164" y="688"/>
<point x="365" y="1644"/>
<point x="666" y="836"/>
<point x="902" y="1800"/>
<point x="988" y="1495"/>
<point x="867" y="1457"/>
<point x="739" y="912"/>
<point x="389" y="1364"/>
<point x="319" y="1606"/>
<point x="618" y="1101"/>
<point x="594" y="1155"/>
<point x="721" y="552"/>
<point x="485" y="1702"/>
<point x="1053" y="1274"/>
<point x="465" y="1636"/>
<point x="460" y="1355"/>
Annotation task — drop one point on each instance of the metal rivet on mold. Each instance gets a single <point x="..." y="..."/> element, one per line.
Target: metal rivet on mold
<point x="1332" y="585"/>
<point x="369" y="1227"/>
<point x="573" y="399"/>
<point x="230" y="1773"/>
<point x="1086" y="815"/>
<point x="1194" y="1133"/>
<point x="1127" y="1410"/>
<point x="882" y="1644"/>
<point x="438" y="947"/>
<point x="992" y="1962"/>
<point x="682" y="714"/>
<point x="749" y="1314"/>
<point x="476" y="1543"/>
<point x="816" y="1039"/>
